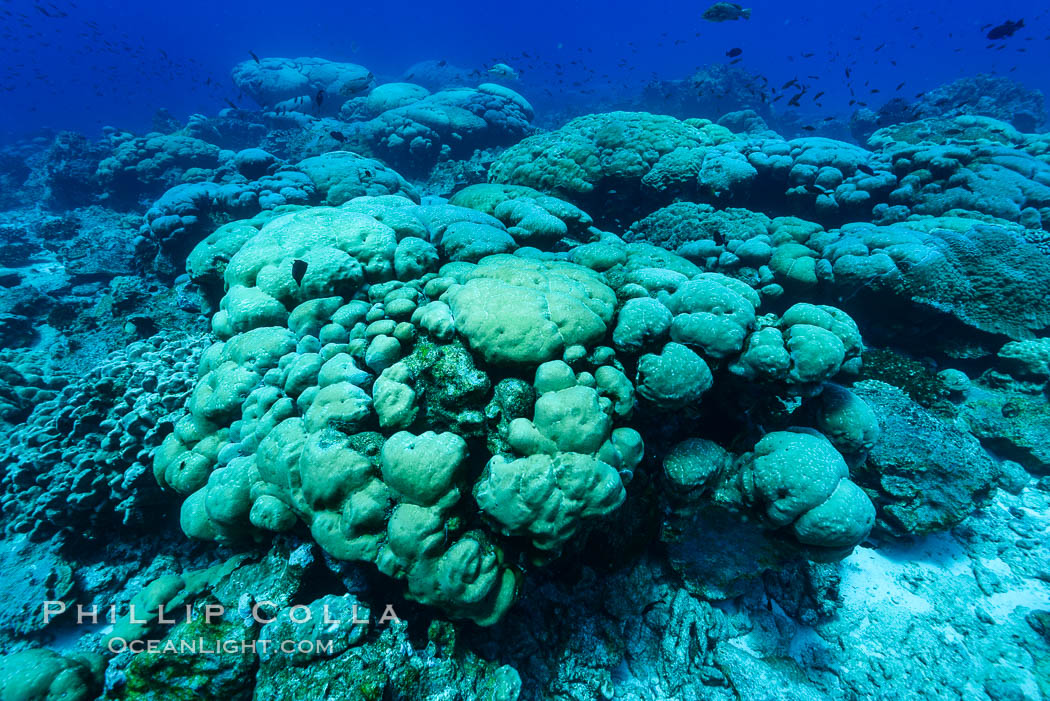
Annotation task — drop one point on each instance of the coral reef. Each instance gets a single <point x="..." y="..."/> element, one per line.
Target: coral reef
<point x="713" y="91"/>
<point x="412" y="130"/>
<point x="186" y="213"/>
<point x="152" y="163"/>
<point x="80" y="460"/>
<point x="649" y="405"/>
<point x="310" y="84"/>
<point x="635" y="162"/>
<point x="981" y="95"/>
<point x="282" y="425"/>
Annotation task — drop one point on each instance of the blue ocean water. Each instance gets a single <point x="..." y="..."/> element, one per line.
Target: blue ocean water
<point x="81" y="65"/>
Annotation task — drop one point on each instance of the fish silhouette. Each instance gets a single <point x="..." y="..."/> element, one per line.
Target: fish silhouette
<point x="298" y="271"/>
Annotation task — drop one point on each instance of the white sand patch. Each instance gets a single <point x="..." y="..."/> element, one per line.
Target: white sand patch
<point x="870" y="579"/>
<point x="997" y="566"/>
<point x="1032" y="594"/>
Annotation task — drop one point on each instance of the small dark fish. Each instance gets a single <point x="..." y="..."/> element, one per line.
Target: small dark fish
<point x="230" y="102"/>
<point x="818" y="95"/>
<point x="899" y="87"/>
<point x="319" y="99"/>
<point x="338" y="136"/>
<point x="734" y="52"/>
<point x="254" y="57"/>
<point x="808" y="128"/>
<point x="720" y="238"/>
<point x="790" y="83"/>
<point x="1005" y="30"/>
<point x="368" y="173"/>
<point x="735" y="61"/>
<point x="53" y="15"/>
<point x="867" y="170"/>
<point x="442" y="63"/>
<point x="298" y="271"/>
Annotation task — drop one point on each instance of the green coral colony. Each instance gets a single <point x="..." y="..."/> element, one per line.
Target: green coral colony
<point x="323" y="403"/>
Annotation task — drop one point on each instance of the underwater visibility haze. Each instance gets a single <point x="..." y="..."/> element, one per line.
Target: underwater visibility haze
<point x="543" y="351"/>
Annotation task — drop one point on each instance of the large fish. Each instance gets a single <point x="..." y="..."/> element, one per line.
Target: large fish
<point x="726" y="12"/>
<point x="502" y="70"/>
<point x="1006" y="29"/>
